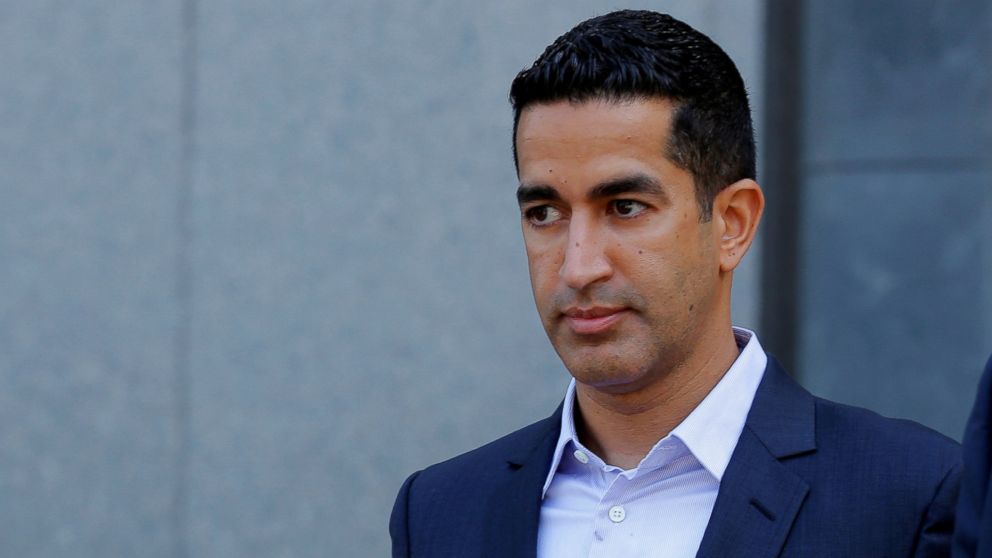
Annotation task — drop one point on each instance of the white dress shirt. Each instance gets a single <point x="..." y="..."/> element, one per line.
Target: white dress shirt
<point x="661" y="507"/>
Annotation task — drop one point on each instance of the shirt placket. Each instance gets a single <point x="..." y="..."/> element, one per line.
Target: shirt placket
<point x="612" y="521"/>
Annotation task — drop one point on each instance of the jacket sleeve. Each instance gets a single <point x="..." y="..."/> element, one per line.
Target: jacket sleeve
<point x="937" y="527"/>
<point x="974" y="516"/>
<point x="399" y="530"/>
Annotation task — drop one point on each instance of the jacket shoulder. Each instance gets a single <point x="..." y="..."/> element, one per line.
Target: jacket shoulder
<point x="443" y="510"/>
<point x="883" y="463"/>
<point x="871" y="434"/>
<point x="494" y="455"/>
<point x="893" y="481"/>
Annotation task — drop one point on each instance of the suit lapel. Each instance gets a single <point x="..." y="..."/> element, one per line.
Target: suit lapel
<point x="514" y="510"/>
<point x="760" y="497"/>
<point x="757" y="503"/>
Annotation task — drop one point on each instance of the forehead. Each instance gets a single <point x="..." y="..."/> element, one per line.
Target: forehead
<point x="567" y="135"/>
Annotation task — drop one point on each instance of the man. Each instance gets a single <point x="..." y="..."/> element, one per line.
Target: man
<point x="973" y="529"/>
<point x="678" y="436"/>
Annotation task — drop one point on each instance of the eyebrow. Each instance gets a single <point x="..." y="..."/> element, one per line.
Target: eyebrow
<point x="634" y="184"/>
<point x="528" y="193"/>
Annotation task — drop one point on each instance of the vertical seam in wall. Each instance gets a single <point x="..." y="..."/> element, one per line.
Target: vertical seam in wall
<point x="783" y="179"/>
<point x="184" y="280"/>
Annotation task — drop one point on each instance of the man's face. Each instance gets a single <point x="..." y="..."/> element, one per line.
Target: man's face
<point x="625" y="276"/>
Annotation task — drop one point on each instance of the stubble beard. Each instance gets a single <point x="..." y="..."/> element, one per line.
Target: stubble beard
<point x="623" y="361"/>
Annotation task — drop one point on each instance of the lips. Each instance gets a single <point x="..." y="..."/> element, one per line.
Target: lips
<point x="593" y="320"/>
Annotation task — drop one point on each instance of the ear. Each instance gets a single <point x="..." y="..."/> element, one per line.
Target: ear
<point x="736" y="212"/>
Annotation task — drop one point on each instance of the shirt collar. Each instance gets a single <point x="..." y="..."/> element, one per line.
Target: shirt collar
<point x="711" y="430"/>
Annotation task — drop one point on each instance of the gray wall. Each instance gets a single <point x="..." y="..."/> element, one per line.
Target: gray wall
<point x="261" y="261"/>
<point x="89" y="150"/>
<point x="896" y="235"/>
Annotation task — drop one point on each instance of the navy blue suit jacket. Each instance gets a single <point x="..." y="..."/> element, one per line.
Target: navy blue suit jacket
<point x="808" y="478"/>
<point x="973" y="535"/>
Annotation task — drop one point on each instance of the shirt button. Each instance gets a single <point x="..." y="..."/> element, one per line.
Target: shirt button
<point x="617" y="514"/>
<point x="581" y="456"/>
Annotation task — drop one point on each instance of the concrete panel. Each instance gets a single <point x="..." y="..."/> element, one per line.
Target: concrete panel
<point x="893" y="285"/>
<point x="987" y="268"/>
<point x="361" y="291"/>
<point x="89" y="144"/>
<point x="903" y="80"/>
<point x="362" y="306"/>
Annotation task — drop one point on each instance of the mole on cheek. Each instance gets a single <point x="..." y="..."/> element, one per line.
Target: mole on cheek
<point x="640" y="251"/>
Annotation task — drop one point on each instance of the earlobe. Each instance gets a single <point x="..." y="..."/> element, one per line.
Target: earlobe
<point x="738" y="209"/>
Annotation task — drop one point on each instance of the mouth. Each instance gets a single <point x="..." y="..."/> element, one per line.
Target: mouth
<point x="594" y="320"/>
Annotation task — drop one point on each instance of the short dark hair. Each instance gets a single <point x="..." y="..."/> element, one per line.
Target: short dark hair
<point x="628" y="54"/>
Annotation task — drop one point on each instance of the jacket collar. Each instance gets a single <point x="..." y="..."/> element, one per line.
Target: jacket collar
<point x="514" y="510"/>
<point x="759" y="496"/>
<point x="758" y="500"/>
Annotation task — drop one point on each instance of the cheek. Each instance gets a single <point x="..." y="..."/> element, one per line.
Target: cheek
<point x="647" y="258"/>
<point x="655" y="279"/>
<point x="660" y="270"/>
<point x="544" y="265"/>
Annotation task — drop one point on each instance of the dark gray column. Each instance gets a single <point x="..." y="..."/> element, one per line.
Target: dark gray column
<point x="781" y="177"/>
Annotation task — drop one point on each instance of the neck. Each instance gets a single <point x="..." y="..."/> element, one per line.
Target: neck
<point x="623" y="427"/>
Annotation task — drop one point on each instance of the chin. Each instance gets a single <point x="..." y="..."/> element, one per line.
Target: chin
<point x="610" y="375"/>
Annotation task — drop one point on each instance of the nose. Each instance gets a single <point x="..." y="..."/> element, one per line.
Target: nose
<point x="585" y="262"/>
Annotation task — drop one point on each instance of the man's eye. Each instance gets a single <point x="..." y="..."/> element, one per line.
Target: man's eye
<point x="628" y="208"/>
<point x="542" y="215"/>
